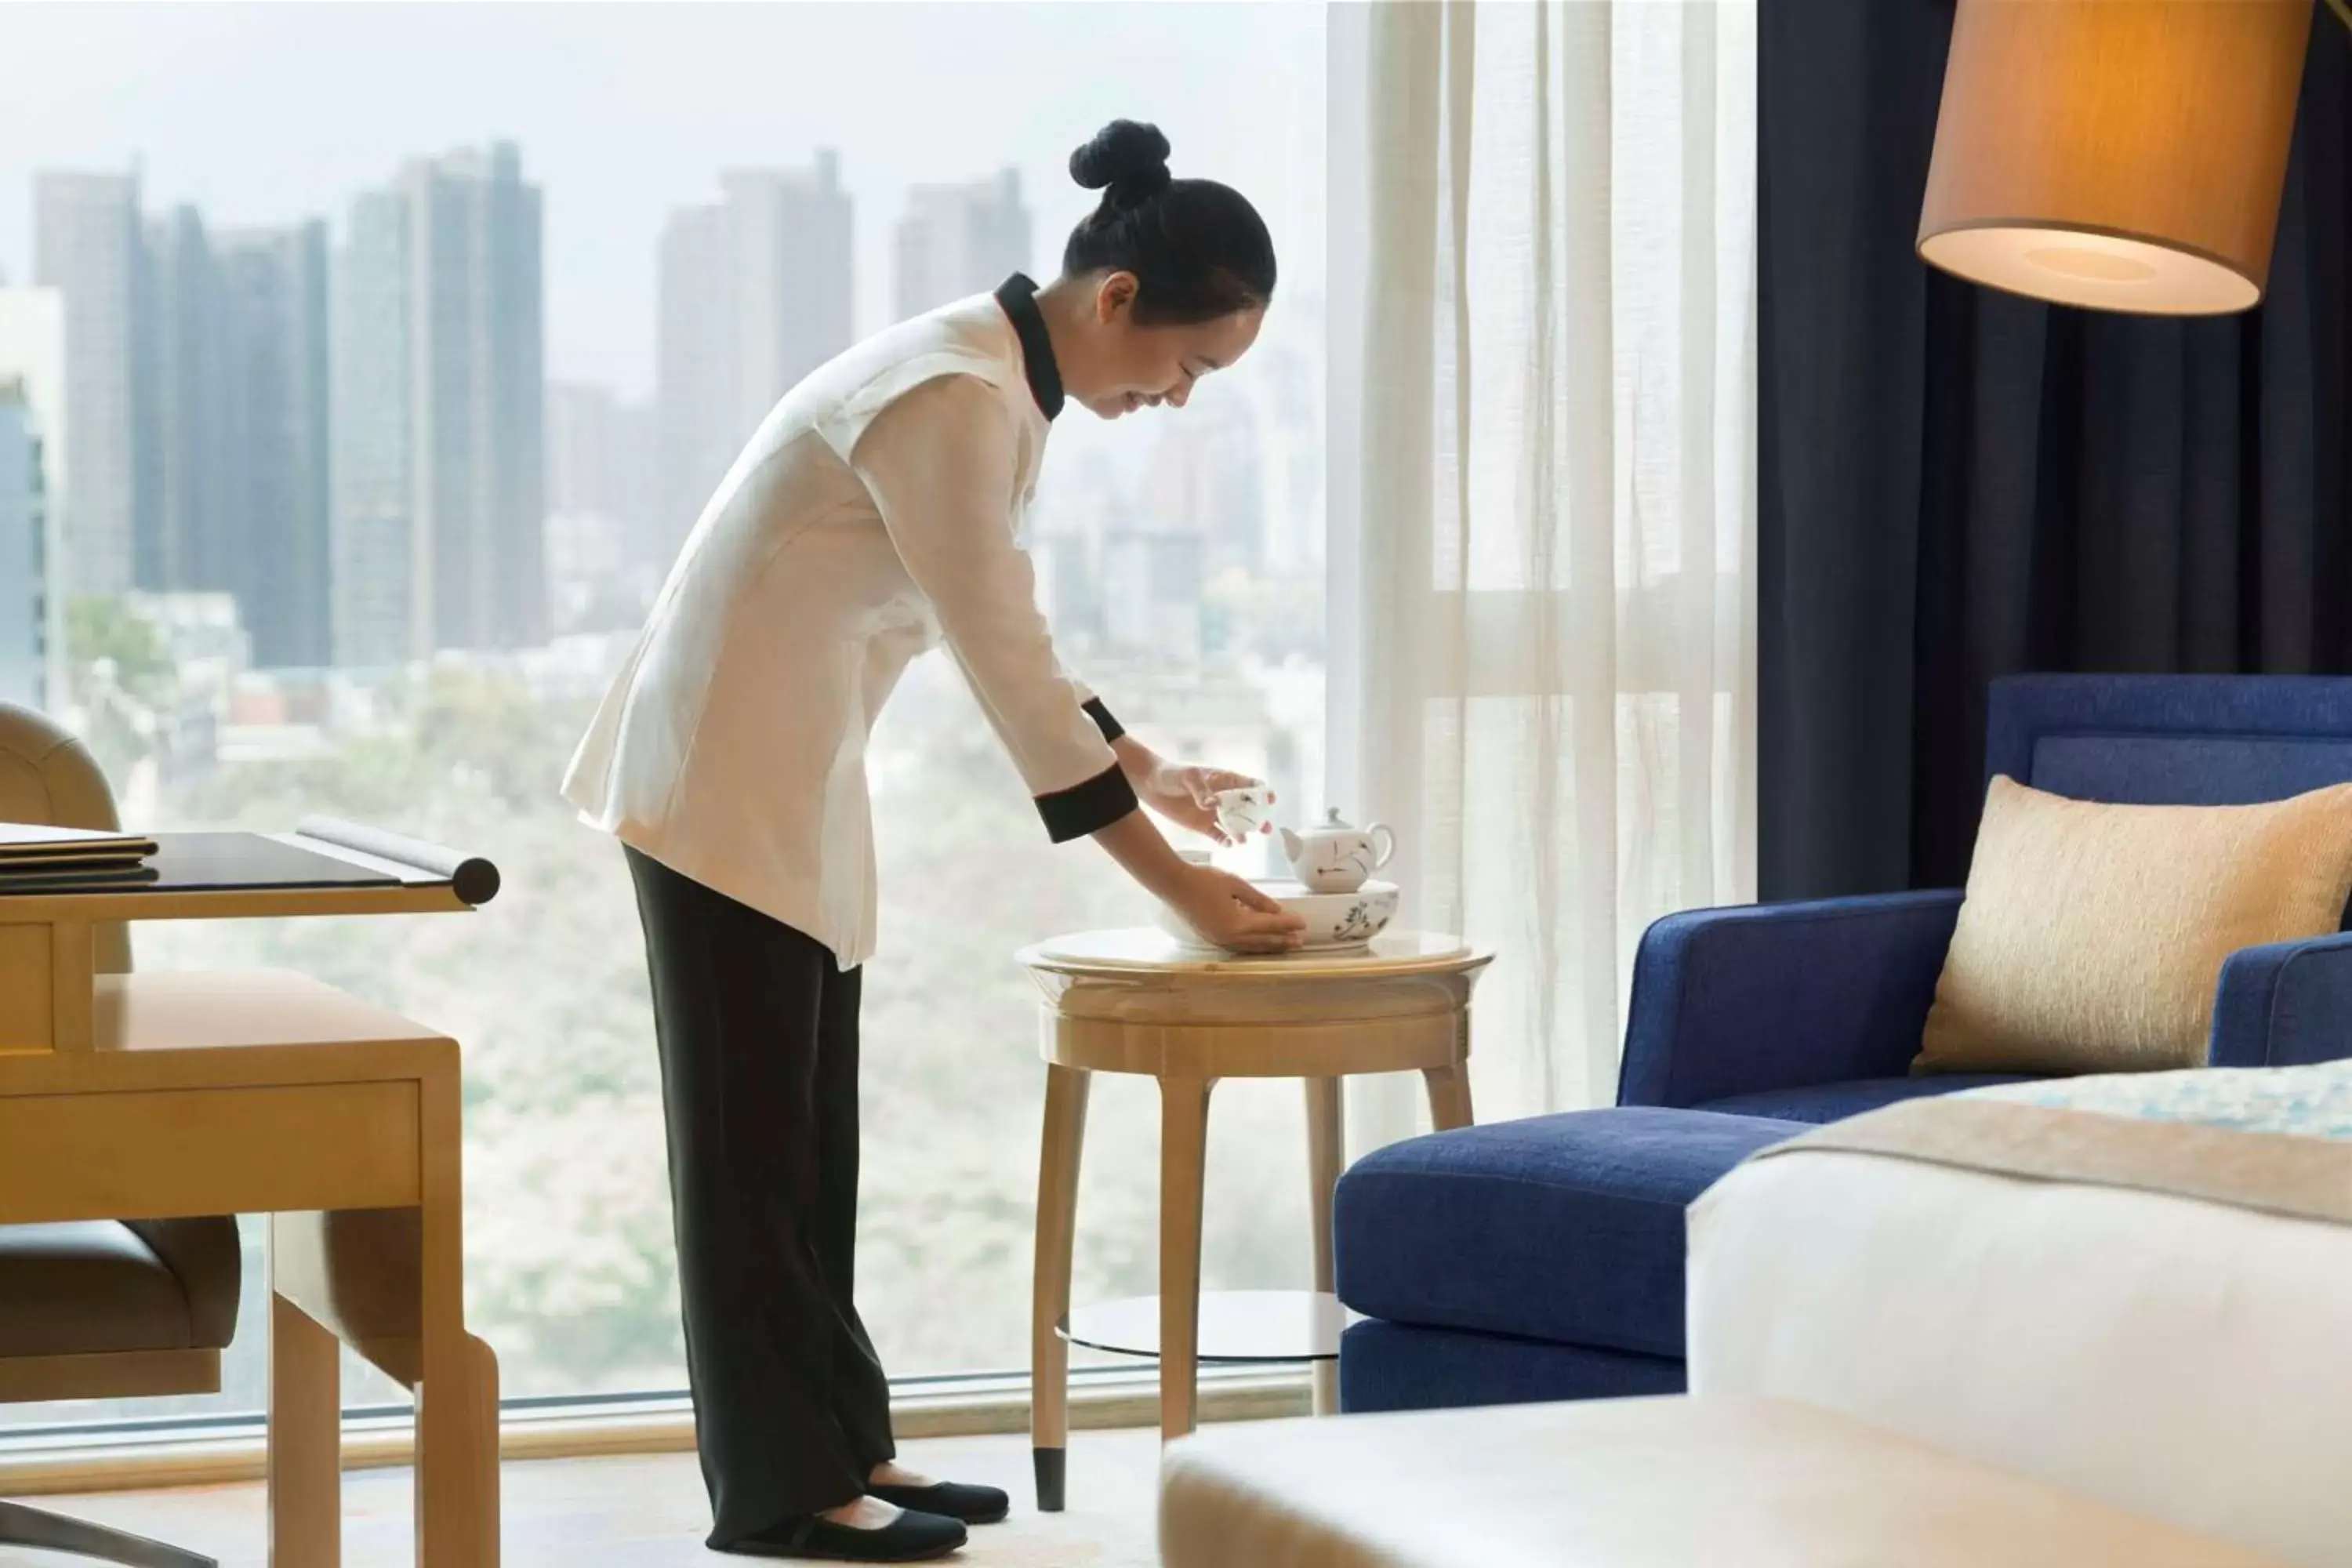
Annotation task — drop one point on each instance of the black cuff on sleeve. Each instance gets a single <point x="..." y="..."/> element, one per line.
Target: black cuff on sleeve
<point x="1111" y="728"/>
<point x="1088" y="807"/>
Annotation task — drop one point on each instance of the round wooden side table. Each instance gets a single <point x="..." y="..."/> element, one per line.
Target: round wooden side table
<point x="1138" y="1001"/>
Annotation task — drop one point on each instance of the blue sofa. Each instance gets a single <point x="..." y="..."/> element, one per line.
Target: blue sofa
<point x="1543" y="1258"/>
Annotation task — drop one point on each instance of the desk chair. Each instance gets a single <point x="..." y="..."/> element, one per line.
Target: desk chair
<point x="98" y="1309"/>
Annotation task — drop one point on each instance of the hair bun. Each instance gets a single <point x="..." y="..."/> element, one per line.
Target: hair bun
<point x="1127" y="155"/>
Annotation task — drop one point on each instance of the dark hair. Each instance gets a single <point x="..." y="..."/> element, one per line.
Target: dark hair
<point x="1197" y="248"/>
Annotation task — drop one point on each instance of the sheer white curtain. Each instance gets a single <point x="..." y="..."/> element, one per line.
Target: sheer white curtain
<point x="1543" y="495"/>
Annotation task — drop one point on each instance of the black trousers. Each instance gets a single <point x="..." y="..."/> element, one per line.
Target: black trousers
<point x="757" y="1031"/>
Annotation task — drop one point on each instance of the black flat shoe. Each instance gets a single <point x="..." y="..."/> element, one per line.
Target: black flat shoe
<point x="912" y="1537"/>
<point x="974" y="1505"/>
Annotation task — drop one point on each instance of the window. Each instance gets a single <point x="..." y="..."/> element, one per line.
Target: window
<point x="335" y="529"/>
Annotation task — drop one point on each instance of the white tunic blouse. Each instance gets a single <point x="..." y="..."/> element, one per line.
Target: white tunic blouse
<point x="877" y="513"/>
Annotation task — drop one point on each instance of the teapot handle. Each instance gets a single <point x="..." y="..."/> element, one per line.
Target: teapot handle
<point x="1384" y="843"/>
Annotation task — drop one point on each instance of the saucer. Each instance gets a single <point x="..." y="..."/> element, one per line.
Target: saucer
<point x="1336" y="922"/>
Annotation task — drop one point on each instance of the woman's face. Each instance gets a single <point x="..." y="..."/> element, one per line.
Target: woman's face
<point x="1134" y="367"/>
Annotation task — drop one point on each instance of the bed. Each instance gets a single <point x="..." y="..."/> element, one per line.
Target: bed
<point x="2137" y="1287"/>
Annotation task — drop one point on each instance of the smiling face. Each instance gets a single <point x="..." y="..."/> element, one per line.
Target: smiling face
<point x="1128" y="366"/>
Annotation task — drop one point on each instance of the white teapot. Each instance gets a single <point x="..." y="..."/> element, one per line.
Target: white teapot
<point x="1334" y="858"/>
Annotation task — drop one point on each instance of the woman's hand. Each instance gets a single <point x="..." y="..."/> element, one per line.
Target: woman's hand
<point x="1232" y="913"/>
<point x="1221" y="907"/>
<point x="1183" y="793"/>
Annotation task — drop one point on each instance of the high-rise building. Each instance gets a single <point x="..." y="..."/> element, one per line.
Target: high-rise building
<point x="1151" y="587"/>
<point x="437" y="432"/>
<point x="789" y="246"/>
<point x="578" y="418"/>
<point x="1066" y="593"/>
<point x="182" y="516"/>
<point x="231" y="449"/>
<point x="32" y="357"/>
<point x="274" y="449"/>
<point x="87" y="244"/>
<point x="754" y="294"/>
<point x="23" y="565"/>
<point x="601" y="565"/>
<point x="1203" y="477"/>
<point x="376" y="555"/>
<point x="1285" y="393"/>
<point x="960" y="240"/>
<point x="695" y="381"/>
<point x="602" y="462"/>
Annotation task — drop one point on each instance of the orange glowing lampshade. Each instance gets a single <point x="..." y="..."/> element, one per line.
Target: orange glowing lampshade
<point x="2119" y="154"/>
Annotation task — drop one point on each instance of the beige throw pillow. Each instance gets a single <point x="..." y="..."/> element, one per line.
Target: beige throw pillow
<point x="2092" y="935"/>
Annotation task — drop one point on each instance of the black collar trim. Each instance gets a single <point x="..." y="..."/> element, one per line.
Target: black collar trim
<point x="1018" y="296"/>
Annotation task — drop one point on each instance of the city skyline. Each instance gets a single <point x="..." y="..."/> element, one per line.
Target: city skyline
<point x="628" y="111"/>
<point x="418" y="511"/>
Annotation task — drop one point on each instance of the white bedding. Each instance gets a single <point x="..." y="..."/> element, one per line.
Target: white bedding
<point x="2178" y="1358"/>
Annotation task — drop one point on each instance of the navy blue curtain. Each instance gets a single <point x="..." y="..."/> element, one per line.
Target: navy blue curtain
<point x="1956" y="484"/>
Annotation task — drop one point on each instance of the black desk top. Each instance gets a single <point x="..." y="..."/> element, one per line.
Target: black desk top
<point x="323" y="855"/>
<point x="214" y="862"/>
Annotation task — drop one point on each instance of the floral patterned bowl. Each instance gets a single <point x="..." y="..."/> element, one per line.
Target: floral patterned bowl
<point x="1334" y="921"/>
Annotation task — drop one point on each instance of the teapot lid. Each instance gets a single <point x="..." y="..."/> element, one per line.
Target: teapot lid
<point x="1331" y="818"/>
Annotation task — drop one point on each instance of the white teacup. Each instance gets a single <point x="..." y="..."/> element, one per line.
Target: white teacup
<point x="1242" y="812"/>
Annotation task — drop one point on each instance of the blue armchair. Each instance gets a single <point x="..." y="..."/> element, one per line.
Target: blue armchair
<point x="1543" y="1258"/>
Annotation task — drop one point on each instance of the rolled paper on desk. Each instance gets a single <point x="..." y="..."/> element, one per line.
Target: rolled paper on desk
<point x="470" y="877"/>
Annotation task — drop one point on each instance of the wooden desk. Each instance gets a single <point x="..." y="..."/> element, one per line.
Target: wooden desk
<point x="129" y="1096"/>
<point x="1135" y="1002"/>
<point x="49" y="957"/>
<point x="260" y="1091"/>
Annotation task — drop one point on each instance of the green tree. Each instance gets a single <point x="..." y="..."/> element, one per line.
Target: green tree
<point x="108" y="628"/>
<point x="121" y="674"/>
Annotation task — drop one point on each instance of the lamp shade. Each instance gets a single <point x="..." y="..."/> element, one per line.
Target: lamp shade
<point x="2120" y="155"/>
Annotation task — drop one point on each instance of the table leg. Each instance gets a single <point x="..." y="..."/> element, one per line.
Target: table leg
<point x="305" y="1442"/>
<point x="482" y="1442"/>
<point x="456" y="1415"/>
<point x="1049" y="1296"/>
<point x="457" y="1457"/>
<point x="1325" y="1152"/>
<point x="73" y="977"/>
<point x="1449" y="1096"/>
<point x="1183" y="1151"/>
